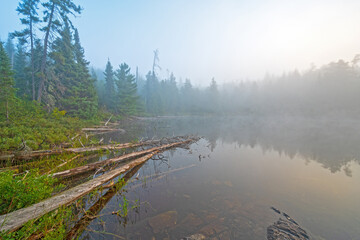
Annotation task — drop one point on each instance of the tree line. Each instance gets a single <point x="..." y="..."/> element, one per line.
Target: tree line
<point x="48" y="66"/>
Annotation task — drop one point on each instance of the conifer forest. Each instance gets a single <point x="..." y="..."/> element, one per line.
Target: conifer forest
<point x="179" y="120"/>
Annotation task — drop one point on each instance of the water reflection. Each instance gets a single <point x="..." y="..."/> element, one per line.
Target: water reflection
<point x="331" y="142"/>
<point x="243" y="166"/>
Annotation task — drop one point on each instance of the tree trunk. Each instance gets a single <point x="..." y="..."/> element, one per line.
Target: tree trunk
<point x="7" y="110"/>
<point x="32" y="60"/>
<point x="43" y="61"/>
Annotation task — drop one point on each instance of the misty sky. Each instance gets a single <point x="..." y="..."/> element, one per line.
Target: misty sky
<point x="228" y="40"/>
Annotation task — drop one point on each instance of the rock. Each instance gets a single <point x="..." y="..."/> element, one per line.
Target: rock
<point x="213" y="228"/>
<point x="163" y="221"/>
<point x="286" y="230"/>
<point x="191" y="221"/>
<point x="211" y="217"/>
<point x="195" y="237"/>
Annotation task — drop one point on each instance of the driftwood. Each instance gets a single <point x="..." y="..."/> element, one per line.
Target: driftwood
<point x="14" y="220"/>
<point x="95" y="165"/>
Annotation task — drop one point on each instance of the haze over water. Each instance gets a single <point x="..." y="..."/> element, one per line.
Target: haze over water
<point x="243" y="166"/>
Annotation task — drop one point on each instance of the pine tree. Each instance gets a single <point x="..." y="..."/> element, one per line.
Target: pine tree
<point x="109" y="98"/>
<point x="21" y="72"/>
<point x="7" y="90"/>
<point x="28" y="8"/>
<point x="127" y="100"/>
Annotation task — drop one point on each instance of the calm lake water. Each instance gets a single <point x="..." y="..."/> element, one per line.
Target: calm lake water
<point x="224" y="185"/>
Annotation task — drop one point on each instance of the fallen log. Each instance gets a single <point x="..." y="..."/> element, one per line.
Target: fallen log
<point x="102" y="129"/>
<point x="95" y="165"/>
<point x="94" y="210"/>
<point x="41" y="153"/>
<point x="14" y="220"/>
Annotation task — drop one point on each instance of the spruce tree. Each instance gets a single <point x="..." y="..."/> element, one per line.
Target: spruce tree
<point x="21" y="76"/>
<point x="56" y="11"/>
<point x="109" y="95"/>
<point x="127" y="100"/>
<point x="64" y="70"/>
<point x="86" y="92"/>
<point x="10" y="49"/>
<point x="7" y="90"/>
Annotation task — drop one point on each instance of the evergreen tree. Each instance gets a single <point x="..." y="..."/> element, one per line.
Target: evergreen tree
<point x="70" y="66"/>
<point x="28" y="8"/>
<point x="109" y="97"/>
<point x="7" y="90"/>
<point x="85" y="93"/>
<point x="21" y="72"/>
<point x="187" y="96"/>
<point x="213" y="96"/>
<point x="151" y="93"/>
<point x="10" y="49"/>
<point x="56" y="11"/>
<point x="63" y="71"/>
<point x="127" y="98"/>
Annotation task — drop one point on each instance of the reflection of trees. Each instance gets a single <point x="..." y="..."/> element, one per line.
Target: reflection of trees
<point x="331" y="142"/>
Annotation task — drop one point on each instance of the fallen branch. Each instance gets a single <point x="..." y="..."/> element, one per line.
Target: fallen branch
<point x="64" y="163"/>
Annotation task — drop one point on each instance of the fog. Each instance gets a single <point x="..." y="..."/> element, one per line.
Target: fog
<point x="228" y="40"/>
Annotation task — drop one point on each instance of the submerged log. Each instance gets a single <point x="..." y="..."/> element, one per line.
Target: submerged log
<point x="95" y="165"/>
<point x="286" y="229"/>
<point x="14" y="220"/>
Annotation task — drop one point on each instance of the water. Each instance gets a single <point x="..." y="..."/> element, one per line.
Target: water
<point x="224" y="185"/>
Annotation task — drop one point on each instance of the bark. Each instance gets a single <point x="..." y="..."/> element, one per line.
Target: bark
<point x="32" y="60"/>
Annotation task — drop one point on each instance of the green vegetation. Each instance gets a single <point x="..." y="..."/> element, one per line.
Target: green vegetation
<point x="18" y="191"/>
<point x="30" y="125"/>
<point x="50" y="226"/>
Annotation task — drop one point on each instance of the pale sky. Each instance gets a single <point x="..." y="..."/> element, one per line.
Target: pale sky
<point x="200" y="39"/>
